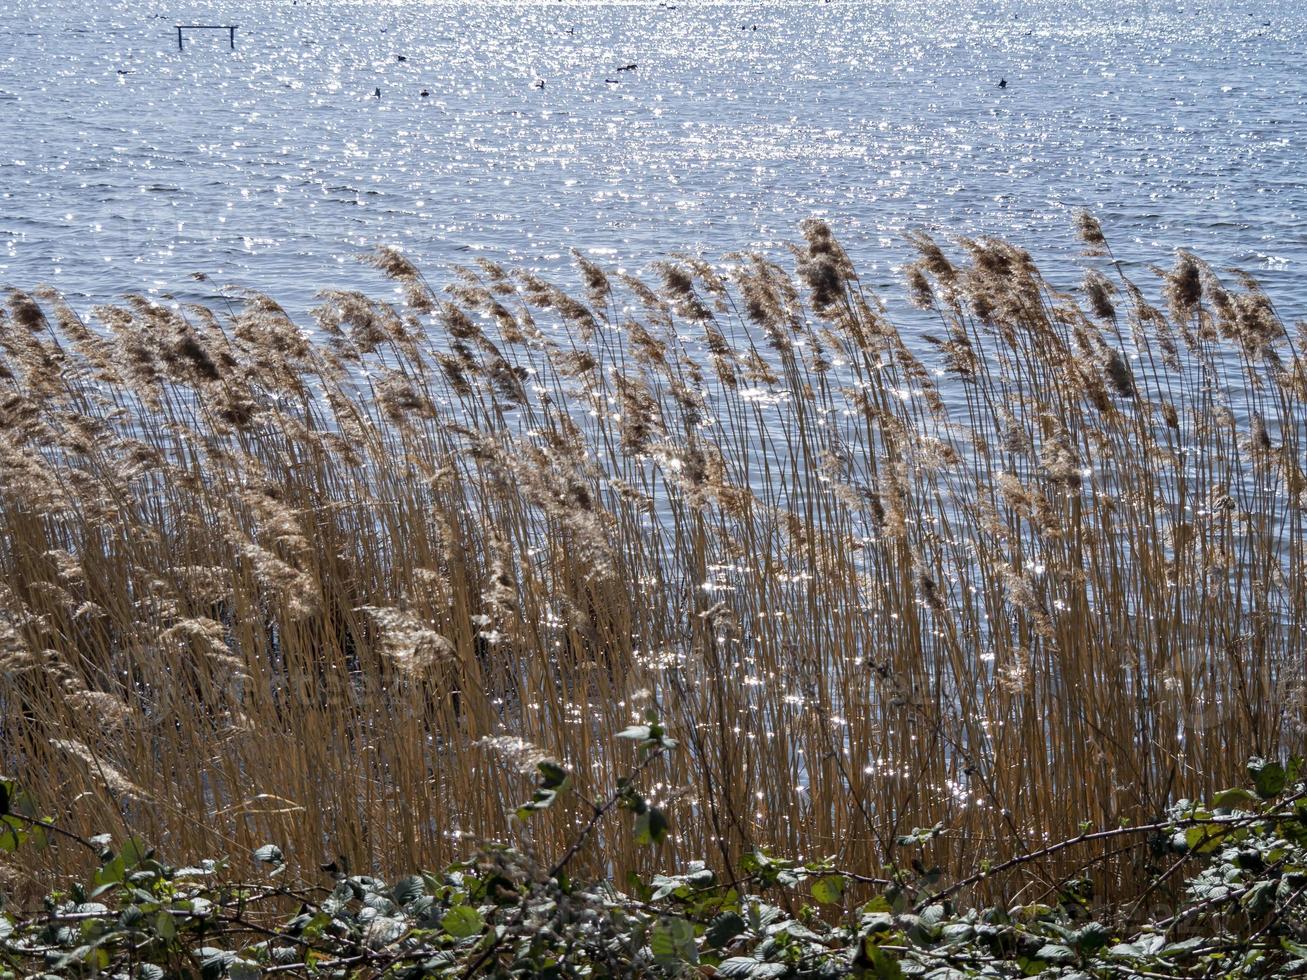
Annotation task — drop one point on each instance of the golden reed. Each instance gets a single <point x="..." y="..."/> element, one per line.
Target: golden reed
<point x="1038" y="563"/>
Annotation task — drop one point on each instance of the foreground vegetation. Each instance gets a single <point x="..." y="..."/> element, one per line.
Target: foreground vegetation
<point x="504" y="913"/>
<point x="1034" y="562"/>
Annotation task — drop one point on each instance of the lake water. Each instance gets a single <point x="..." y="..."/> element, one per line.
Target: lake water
<point x="127" y="164"/>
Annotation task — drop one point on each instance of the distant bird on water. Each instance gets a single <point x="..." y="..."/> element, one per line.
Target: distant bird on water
<point x="401" y="57"/>
<point x="1002" y="83"/>
<point x="540" y="84"/>
<point x="424" y="93"/>
<point x="377" y="91"/>
<point x="628" y="68"/>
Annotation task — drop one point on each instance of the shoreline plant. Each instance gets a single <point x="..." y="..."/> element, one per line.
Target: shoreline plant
<point x="1242" y="859"/>
<point x="1031" y="563"/>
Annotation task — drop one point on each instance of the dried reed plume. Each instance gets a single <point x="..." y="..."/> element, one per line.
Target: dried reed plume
<point x="247" y="560"/>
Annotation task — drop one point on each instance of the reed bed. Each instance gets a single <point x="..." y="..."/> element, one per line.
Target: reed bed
<point x="1036" y="565"/>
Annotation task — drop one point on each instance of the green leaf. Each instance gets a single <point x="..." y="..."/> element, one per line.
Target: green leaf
<point x="462" y="921"/>
<point x="269" y="854"/>
<point x="134" y="852"/>
<point x="164" y="926"/>
<point x="382" y="930"/>
<point x="828" y="890"/>
<point x="244" y="970"/>
<point x="1091" y="937"/>
<point x="1234" y="799"/>
<point x="1259" y="899"/>
<point x="552" y="775"/>
<point x="740" y="966"/>
<point x="1055" y="953"/>
<point x="408" y="889"/>
<point x="542" y="799"/>
<point x="23" y="804"/>
<point x="672" y="943"/>
<point x="1183" y="946"/>
<point x="723" y="929"/>
<point x="111" y="872"/>
<point x="1203" y="839"/>
<point x="882" y="965"/>
<point x="214" y="962"/>
<point x="1268" y="777"/>
<point x="651" y="826"/>
<point x="1289" y="946"/>
<point x="920" y="836"/>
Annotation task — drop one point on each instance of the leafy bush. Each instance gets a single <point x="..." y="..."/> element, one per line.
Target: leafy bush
<point x="506" y="913"/>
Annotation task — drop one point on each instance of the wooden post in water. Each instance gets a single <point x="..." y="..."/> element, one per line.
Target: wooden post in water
<point x="229" y="28"/>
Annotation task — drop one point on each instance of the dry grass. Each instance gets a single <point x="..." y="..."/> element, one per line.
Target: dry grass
<point x="337" y="589"/>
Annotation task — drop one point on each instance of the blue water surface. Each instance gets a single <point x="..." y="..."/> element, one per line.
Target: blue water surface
<point x="127" y="164"/>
